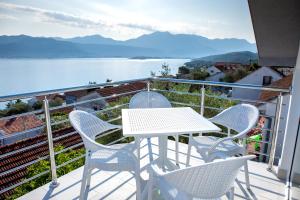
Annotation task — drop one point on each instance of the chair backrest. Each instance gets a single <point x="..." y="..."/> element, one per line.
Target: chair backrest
<point x="149" y="99"/>
<point x="207" y="181"/>
<point x="241" y="118"/>
<point x="88" y="126"/>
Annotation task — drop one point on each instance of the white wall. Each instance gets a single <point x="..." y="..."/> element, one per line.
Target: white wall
<point x="292" y="130"/>
<point x="255" y="78"/>
<point x="270" y="109"/>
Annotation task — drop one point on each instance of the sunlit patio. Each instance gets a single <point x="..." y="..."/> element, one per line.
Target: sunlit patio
<point x="121" y="185"/>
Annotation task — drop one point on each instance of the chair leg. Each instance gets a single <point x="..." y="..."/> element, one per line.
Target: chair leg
<point x="138" y="184"/>
<point x="88" y="182"/>
<point x="84" y="181"/>
<point x="231" y="194"/>
<point x="188" y="156"/>
<point x="247" y="175"/>
<point x="177" y="149"/>
<point x="150" y="187"/>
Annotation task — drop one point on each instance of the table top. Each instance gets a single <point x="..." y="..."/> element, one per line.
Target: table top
<point x="164" y="121"/>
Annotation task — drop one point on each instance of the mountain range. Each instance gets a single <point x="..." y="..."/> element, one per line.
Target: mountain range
<point x="243" y="57"/>
<point x="157" y="44"/>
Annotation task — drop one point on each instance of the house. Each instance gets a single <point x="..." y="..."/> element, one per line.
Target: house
<point x="215" y="74"/>
<point x="19" y="128"/>
<point x="269" y="108"/>
<point x="50" y="97"/>
<point x="91" y="106"/>
<point x="74" y="96"/>
<point x="263" y="76"/>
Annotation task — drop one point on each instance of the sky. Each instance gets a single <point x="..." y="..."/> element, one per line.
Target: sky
<point x="126" y="19"/>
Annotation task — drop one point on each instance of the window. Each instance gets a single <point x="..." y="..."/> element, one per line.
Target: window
<point x="267" y="80"/>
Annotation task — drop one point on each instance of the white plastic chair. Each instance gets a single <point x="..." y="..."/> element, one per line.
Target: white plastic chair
<point x="241" y="118"/>
<point x="118" y="157"/>
<point x="149" y="99"/>
<point x="208" y="181"/>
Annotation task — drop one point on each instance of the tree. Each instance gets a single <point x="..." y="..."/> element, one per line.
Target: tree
<point x="165" y="72"/>
<point x="37" y="105"/>
<point x="183" y="70"/>
<point x="235" y="76"/>
<point x="16" y="107"/>
<point x="152" y="74"/>
<point x="56" y="102"/>
<point x="228" y="78"/>
<point x="198" y="74"/>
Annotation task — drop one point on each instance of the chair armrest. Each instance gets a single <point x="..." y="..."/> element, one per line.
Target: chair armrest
<point x="113" y="149"/>
<point x="216" y="144"/>
<point x="113" y="127"/>
<point x="157" y="171"/>
<point x="222" y="140"/>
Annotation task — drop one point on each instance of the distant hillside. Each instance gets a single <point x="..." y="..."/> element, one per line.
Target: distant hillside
<point x="157" y="44"/>
<point x="243" y="57"/>
<point x="184" y="45"/>
<point x="91" y="39"/>
<point x="33" y="47"/>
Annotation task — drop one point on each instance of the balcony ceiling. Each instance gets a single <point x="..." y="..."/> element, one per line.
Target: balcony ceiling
<point x="277" y="30"/>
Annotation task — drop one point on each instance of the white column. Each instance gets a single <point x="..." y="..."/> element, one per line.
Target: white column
<point x="291" y="126"/>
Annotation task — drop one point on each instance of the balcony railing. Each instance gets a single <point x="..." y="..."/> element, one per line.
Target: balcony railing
<point x="167" y="86"/>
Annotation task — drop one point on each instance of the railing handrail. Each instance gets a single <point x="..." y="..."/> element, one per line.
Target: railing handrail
<point x="223" y="84"/>
<point x="174" y="80"/>
<point x="69" y="89"/>
<point x="94" y="86"/>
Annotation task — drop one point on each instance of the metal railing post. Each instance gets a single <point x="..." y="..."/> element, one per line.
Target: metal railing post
<point x="50" y="143"/>
<point x="275" y="132"/>
<point x="148" y="86"/>
<point x="202" y="100"/>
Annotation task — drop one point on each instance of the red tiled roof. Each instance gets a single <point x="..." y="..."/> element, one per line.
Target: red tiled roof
<point x="77" y="93"/>
<point x="19" y="124"/>
<point x="23" y="157"/>
<point x="121" y="89"/>
<point x="285" y="82"/>
<point x="108" y="91"/>
<point x="50" y="96"/>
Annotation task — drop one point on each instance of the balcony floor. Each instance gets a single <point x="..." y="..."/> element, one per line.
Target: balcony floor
<point x="121" y="185"/>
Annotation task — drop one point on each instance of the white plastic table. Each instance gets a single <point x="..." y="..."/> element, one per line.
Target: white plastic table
<point x="163" y="122"/>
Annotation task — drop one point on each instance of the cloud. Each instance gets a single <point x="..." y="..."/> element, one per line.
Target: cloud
<point x="56" y="17"/>
<point x="71" y="20"/>
<point x="114" y="23"/>
<point x="7" y="17"/>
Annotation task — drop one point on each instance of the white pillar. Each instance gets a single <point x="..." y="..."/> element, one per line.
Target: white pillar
<point x="291" y="127"/>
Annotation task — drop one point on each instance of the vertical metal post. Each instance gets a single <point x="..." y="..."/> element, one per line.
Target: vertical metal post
<point x="202" y="100"/>
<point x="275" y="131"/>
<point x="148" y="86"/>
<point x="148" y="94"/>
<point x="50" y="143"/>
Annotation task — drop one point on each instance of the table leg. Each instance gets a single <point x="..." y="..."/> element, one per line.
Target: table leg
<point x="139" y="191"/>
<point x="176" y="149"/>
<point x="138" y="148"/>
<point x="163" y="148"/>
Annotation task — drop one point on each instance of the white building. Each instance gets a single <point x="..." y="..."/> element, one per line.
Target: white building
<point x="214" y="74"/>
<point x="263" y="76"/>
<point x="269" y="108"/>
